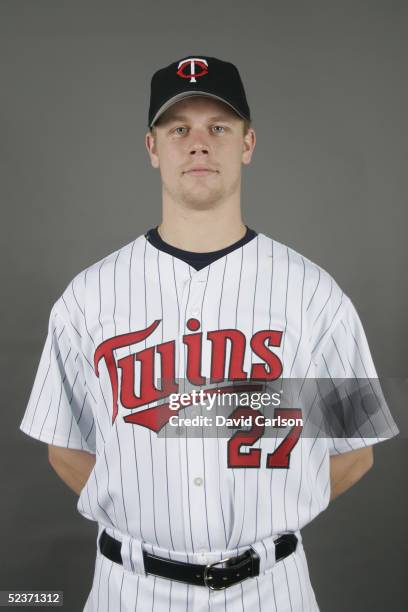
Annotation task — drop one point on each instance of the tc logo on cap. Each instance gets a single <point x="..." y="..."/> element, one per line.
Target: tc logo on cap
<point x="193" y="62"/>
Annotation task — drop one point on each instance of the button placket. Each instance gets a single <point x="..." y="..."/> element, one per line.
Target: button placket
<point x="202" y="558"/>
<point x="191" y="467"/>
<point x="197" y="285"/>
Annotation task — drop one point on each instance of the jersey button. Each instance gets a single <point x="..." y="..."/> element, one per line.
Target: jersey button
<point x="198" y="481"/>
<point x="202" y="558"/>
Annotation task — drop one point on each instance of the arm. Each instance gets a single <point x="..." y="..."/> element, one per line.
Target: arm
<point x="346" y="469"/>
<point x="72" y="466"/>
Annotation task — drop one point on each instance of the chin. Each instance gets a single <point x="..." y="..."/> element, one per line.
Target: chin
<point x="202" y="200"/>
<point x="199" y="195"/>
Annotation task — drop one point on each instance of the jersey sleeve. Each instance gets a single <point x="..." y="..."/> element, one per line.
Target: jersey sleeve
<point x="59" y="409"/>
<point x="356" y="413"/>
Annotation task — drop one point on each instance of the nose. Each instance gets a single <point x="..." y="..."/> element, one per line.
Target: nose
<point x="199" y="142"/>
<point x="198" y="148"/>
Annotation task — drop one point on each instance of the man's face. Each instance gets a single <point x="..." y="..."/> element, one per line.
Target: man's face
<point x="199" y="146"/>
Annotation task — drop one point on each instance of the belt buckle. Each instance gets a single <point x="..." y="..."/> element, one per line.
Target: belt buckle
<point x="207" y="577"/>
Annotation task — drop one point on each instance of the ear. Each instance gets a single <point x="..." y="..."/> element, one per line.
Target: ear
<point x="151" y="146"/>
<point x="248" y="146"/>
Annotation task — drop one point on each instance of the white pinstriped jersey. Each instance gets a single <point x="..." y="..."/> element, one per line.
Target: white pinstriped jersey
<point x="122" y="323"/>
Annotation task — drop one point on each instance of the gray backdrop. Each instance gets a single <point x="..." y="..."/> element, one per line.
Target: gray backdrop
<point x="327" y="86"/>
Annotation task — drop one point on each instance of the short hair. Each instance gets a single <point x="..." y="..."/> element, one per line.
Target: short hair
<point x="247" y="125"/>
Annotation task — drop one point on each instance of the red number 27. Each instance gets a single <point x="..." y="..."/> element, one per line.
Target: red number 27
<point x="281" y="455"/>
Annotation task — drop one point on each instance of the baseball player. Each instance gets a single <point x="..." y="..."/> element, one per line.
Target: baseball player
<point x="211" y="522"/>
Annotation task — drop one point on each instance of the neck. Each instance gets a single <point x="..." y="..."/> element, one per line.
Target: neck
<point x="201" y="231"/>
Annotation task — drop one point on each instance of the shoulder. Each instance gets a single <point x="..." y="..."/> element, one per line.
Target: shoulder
<point x="324" y="301"/>
<point x="83" y="287"/>
<point x="318" y="282"/>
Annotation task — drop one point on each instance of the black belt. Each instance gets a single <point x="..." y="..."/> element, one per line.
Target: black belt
<point x="235" y="570"/>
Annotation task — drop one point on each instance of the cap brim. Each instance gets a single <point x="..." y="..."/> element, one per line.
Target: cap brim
<point x="191" y="94"/>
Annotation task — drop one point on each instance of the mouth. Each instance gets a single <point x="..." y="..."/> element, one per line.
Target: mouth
<point x="200" y="172"/>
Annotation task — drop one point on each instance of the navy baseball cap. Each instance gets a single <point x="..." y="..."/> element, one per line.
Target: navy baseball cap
<point x="197" y="75"/>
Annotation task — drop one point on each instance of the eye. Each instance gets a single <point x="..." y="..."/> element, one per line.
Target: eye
<point x="219" y="129"/>
<point x="178" y="131"/>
